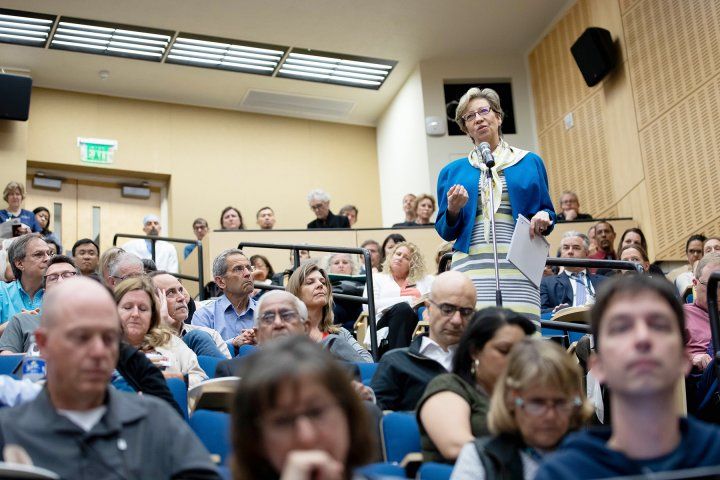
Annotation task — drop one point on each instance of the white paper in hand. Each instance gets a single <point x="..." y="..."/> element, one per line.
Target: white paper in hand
<point x="528" y="255"/>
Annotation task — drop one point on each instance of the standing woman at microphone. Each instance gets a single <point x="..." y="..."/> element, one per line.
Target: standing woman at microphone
<point x="520" y="187"/>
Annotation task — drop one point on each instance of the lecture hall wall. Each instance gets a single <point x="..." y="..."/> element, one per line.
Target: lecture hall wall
<point x="213" y="158"/>
<point x="645" y="141"/>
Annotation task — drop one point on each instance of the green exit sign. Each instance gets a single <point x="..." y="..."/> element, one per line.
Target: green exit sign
<point x="96" y="150"/>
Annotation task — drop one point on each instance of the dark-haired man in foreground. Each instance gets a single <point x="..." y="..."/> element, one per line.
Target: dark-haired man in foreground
<point x="639" y="327"/>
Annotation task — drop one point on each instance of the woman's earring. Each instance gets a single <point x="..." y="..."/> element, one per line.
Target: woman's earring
<point x="474" y="367"/>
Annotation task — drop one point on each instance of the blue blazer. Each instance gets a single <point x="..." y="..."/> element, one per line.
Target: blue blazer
<point x="527" y="186"/>
<point x="557" y="289"/>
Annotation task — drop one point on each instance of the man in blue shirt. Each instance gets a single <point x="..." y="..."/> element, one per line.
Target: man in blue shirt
<point x="28" y="256"/>
<point x="232" y="313"/>
<point x="639" y="331"/>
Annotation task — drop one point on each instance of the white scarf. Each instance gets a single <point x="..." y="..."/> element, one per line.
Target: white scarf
<point x="505" y="156"/>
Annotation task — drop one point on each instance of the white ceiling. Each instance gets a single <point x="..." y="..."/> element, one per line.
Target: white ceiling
<point x="408" y="31"/>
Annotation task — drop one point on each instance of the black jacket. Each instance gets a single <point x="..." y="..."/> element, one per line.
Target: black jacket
<point x="331" y="221"/>
<point x="500" y="456"/>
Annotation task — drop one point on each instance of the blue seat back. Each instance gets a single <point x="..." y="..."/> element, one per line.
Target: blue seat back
<point x="434" y="471"/>
<point x="383" y="470"/>
<point x="213" y="430"/>
<point x="400" y="435"/>
<point x="178" y="388"/>
<point x="367" y="370"/>
<point x="209" y="364"/>
<point x="10" y="365"/>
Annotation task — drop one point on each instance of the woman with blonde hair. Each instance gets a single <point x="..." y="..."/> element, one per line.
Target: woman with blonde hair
<point x="14" y="194"/>
<point x="537" y="400"/>
<point x="400" y="287"/>
<point x="139" y="310"/>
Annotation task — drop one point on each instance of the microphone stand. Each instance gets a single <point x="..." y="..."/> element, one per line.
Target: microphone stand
<point x="489" y="180"/>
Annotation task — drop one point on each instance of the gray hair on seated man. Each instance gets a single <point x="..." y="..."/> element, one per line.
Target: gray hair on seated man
<point x="319" y="195"/>
<point x="220" y="264"/>
<point x="123" y="266"/>
<point x="573" y="233"/>
<point x="300" y="307"/>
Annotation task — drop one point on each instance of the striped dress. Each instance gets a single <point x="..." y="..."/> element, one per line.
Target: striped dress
<point x="518" y="293"/>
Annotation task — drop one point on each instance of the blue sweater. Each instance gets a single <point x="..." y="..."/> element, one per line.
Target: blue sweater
<point x="527" y="186"/>
<point x="586" y="455"/>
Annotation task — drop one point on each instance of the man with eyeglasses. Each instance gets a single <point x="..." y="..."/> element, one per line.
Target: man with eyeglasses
<point x="28" y="256"/>
<point x="319" y="202"/>
<point x="125" y="265"/>
<point x="165" y="253"/>
<point x="200" y="229"/>
<point x="570" y="208"/>
<point x="574" y="286"/>
<point x="17" y="335"/>
<point x="174" y="311"/>
<point x="231" y="314"/>
<point x="697" y="319"/>
<point x="639" y="329"/>
<point x="403" y="373"/>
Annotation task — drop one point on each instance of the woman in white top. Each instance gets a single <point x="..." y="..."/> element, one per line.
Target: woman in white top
<point x="397" y="290"/>
<point x="139" y="312"/>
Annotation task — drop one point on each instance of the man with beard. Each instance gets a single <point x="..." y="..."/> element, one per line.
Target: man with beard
<point x="605" y="241"/>
<point x="231" y="314"/>
<point x="165" y="254"/>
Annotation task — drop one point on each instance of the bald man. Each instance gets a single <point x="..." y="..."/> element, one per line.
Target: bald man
<point x="403" y="373"/>
<point x="77" y="426"/>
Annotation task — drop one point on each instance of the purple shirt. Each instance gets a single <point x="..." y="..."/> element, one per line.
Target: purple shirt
<point x="697" y="329"/>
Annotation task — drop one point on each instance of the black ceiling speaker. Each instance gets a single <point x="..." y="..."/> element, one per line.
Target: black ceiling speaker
<point x="594" y="54"/>
<point x="14" y="97"/>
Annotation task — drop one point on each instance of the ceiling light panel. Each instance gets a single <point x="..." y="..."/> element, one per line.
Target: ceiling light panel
<point x="90" y="36"/>
<point x="25" y="28"/>
<point x="336" y="68"/>
<point x="225" y="54"/>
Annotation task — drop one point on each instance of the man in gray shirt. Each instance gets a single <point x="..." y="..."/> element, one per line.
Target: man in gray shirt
<point x="18" y="333"/>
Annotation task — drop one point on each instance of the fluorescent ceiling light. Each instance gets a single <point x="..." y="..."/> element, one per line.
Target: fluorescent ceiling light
<point x="25" y="28"/>
<point x="336" y="68"/>
<point x="104" y="38"/>
<point x="225" y="54"/>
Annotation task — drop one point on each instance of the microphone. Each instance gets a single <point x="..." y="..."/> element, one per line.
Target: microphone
<point x="486" y="154"/>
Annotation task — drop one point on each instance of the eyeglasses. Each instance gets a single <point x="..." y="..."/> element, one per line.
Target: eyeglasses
<point x="286" y="316"/>
<point x="129" y="275"/>
<point x="483" y="112"/>
<point x="317" y="206"/>
<point x="42" y="254"/>
<point x="320" y="416"/>
<point x="538" y="407"/>
<point x="242" y="268"/>
<point x="54" y="277"/>
<point x="448" y="309"/>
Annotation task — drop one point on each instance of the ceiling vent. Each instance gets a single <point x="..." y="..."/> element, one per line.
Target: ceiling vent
<point x="295" y="105"/>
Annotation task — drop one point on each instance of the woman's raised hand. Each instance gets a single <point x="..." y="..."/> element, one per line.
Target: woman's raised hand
<point x="539" y="223"/>
<point x="312" y="465"/>
<point x="457" y="197"/>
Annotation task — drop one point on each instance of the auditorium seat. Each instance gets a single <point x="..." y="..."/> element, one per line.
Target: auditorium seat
<point x="434" y="471"/>
<point x="400" y="436"/>
<point x="178" y="388"/>
<point x="213" y="430"/>
<point x="208" y="364"/>
<point x="10" y="365"/>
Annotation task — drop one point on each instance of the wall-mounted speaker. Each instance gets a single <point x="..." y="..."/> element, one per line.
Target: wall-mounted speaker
<point x="594" y="54"/>
<point x="14" y="97"/>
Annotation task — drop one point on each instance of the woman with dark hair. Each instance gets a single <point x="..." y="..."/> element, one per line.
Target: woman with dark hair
<point x="635" y="236"/>
<point x="388" y="245"/>
<point x="231" y="219"/>
<point x="296" y="416"/>
<point x="453" y="410"/>
<point x="42" y="217"/>
<point x="263" y="273"/>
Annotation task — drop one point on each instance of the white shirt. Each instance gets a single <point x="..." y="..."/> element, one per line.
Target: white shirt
<point x="589" y="289"/>
<point x="432" y="350"/>
<point x="85" y="419"/>
<point x="165" y="254"/>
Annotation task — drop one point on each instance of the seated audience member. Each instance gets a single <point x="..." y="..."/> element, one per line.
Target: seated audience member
<point x="351" y="212"/>
<point x="409" y="209"/>
<point x="231" y="314"/>
<point x="296" y="416"/>
<point x="86" y="254"/>
<point x="634" y="253"/>
<point x="18" y="334"/>
<point x="593" y="246"/>
<point x="574" y="286"/>
<point x="403" y="374"/>
<point x="682" y="276"/>
<point x="165" y="253"/>
<point x="388" y="246"/>
<point x="697" y="319"/>
<point x="42" y="217"/>
<point x="124" y="265"/>
<point x="570" y="208"/>
<point x="139" y="312"/>
<point x="28" y="257"/>
<point x="373" y="248"/>
<point x="312" y="286"/>
<point x="635" y="236"/>
<point x="638" y="326"/>
<point x="444" y="248"/>
<point x="200" y="229"/>
<point x="402" y="282"/>
<point x="148" y="266"/>
<point x="319" y="202"/>
<point x="106" y="259"/>
<point x="281" y="314"/>
<point x="604" y="239"/>
<point x="711" y="245"/>
<point x="14" y="194"/>
<point x="173" y="313"/>
<point x="424" y="206"/>
<point x="263" y="273"/>
<point x="345" y="312"/>
<point x="265" y="218"/>
<point x="453" y="410"/>
<point x="231" y="219"/>
<point x="536" y="401"/>
<point x="77" y="426"/>
<point x="341" y="264"/>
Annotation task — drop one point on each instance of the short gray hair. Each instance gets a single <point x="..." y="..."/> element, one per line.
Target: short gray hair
<point x="488" y="94"/>
<point x="354" y="266"/>
<point x="18" y="249"/>
<point x="124" y="259"/>
<point x="220" y="263"/>
<point x="300" y="307"/>
<point x="708" y="259"/>
<point x="583" y="237"/>
<point x="568" y="192"/>
<point x="318" y="194"/>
